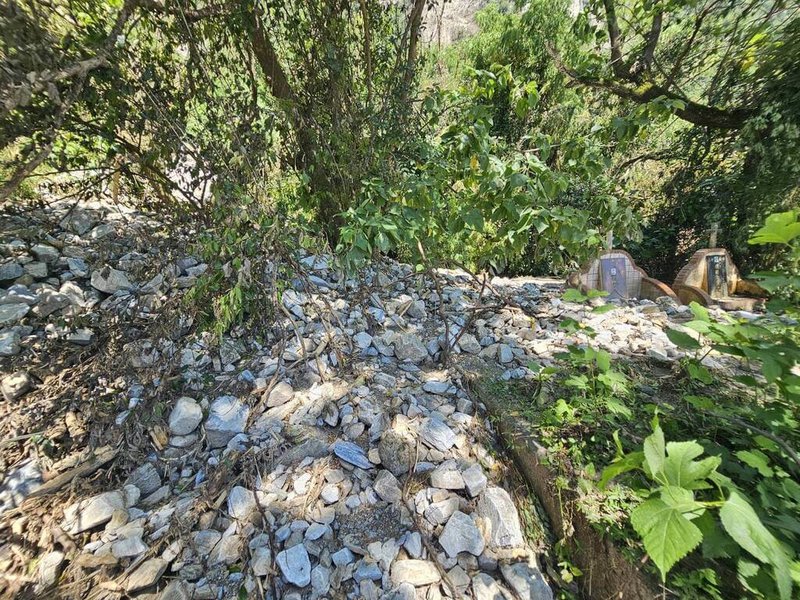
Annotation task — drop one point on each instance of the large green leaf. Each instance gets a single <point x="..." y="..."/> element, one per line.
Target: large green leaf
<point x="743" y="525"/>
<point x="682" y="340"/>
<point x="780" y="228"/>
<point x="654" y="448"/>
<point x="680" y="468"/>
<point x="668" y="536"/>
<point x="627" y="463"/>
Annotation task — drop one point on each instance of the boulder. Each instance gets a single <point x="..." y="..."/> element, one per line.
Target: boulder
<point x="110" y="280"/>
<point x="227" y="417"/>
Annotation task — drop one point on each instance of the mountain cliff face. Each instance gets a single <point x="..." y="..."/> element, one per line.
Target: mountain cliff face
<point x="451" y="21"/>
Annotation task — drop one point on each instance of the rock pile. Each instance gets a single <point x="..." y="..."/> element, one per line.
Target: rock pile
<point x="336" y="459"/>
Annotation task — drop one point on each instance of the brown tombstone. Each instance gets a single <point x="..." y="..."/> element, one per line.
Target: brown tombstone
<point x="615" y="272"/>
<point x="711" y="278"/>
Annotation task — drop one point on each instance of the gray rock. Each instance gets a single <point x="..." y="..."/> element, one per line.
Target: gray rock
<point x="320" y="580"/>
<point x="185" y="416"/>
<point x="78" y="267"/>
<point x="241" y="503"/>
<point x="19" y="294"/>
<point x="15" y="385"/>
<point x="110" y="280"/>
<point x="92" y="512"/>
<point x="128" y="547"/>
<point x="437" y="433"/>
<point x="362" y="340"/>
<point x="261" y="561"/>
<point x="9" y="343"/>
<point x="396" y="453"/>
<point x="295" y="565"/>
<point x="205" y="541"/>
<point x="227" y="417"/>
<point x="387" y="487"/>
<point x="447" y="476"/>
<point x="496" y="506"/>
<point x="469" y="344"/>
<point x="280" y="395"/>
<point x="367" y="571"/>
<point x="49" y="570"/>
<point x="45" y="253"/>
<point x="436" y="387"/>
<point x="146" y="575"/>
<point x="415" y="572"/>
<point x="50" y="301"/>
<point x="505" y="354"/>
<point x="146" y="478"/>
<point x="227" y="551"/>
<point x="343" y="557"/>
<point x="12" y="313"/>
<point x="408" y="347"/>
<point x="474" y="480"/>
<point x="526" y="581"/>
<point x="82" y="336"/>
<point x="36" y="269"/>
<point x="78" y="221"/>
<point x="353" y="454"/>
<point x="438" y="512"/>
<point x="486" y="588"/>
<point x="177" y="590"/>
<point x="461" y="535"/>
<point x="10" y="270"/>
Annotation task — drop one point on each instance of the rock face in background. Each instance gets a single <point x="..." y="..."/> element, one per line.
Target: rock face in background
<point x="451" y="21"/>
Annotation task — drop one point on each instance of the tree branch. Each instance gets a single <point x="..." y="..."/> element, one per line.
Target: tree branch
<point x="615" y="38"/>
<point x="691" y="111"/>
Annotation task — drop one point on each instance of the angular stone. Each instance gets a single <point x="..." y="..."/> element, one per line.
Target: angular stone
<point x="280" y="395"/>
<point x="36" y="269"/>
<point x="362" y="340"/>
<point x="437" y="433"/>
<point x="10" y="271"/>
<point x="408" y="347"/>
<point x="91" y="512"/>
<point x="78" y="267"/>
<point x="19" y="294"/>
<point x="387" y="487"/>
<point x="439" y="512"/>
<point x="261" y="561"/>
<point x="461" y="535"/>
<point x="110" y="280"/>
<point x="526" y="581"/>
<point x="146" y="575"/>
<point x="146" y="478"/>
<point x="353" y="454"/>
<point x="82" y="336"/>
<point x="396" y="453"/>
<point x="486" y="588"/>
<point x="205" y="541"/>
<point x="496" y="506"/>
<point x="241" y="503"/>
<point x="227" y="551"/>
<point x="78" y="221"/>
<point x="504" y="353"/>
<point x="185" y="416"/>
<point x="227" y="417"/>
<point x="436" y="387"/>
<point x="447" y="476"/>
<point x="12" y="313"/>
<point x="9" y="343"/>
<point x="15" y="385"/>
<point x="49" y="570"/>
<point x="415" y="572"/>
<point x="474" y="480"/>
<point x="129" y="546"/>
<point x="295" y="565"/>
<point x="469" y="344"/>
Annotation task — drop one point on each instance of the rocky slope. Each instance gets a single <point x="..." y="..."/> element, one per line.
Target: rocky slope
<point x="331" y="455"/>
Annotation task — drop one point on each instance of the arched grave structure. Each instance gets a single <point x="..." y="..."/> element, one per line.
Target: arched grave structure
<point x="614" y="271"/>
<point x="711" y="278"/>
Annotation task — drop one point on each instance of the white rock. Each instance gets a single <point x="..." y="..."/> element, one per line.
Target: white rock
<point x="146" y="575"/>
<point x="295" y="565"/>
<point x="526" y="581"/>
<point x="227" y="417"/>
<point x="12" y="313"/>
<point x="474" y="480"/>
<point x="447" y="476"/>
<point x="496" y="506"/>
<point x="15" y="385"/>
<point x="185" y="417"/>
<point x="110" y="280"/>
<point x="49" y="570"/>
<point x="408" y="347"/>
<point x="461" y="535"/>
<point x="415" y="572"/>
<point x="486" y="588"/>
<point x="91" y="512"/>
<point x="280" y="394"/>
<point x="261" y="561"/>
<point x="437" y="433"/>
<point x="241" y="503"/>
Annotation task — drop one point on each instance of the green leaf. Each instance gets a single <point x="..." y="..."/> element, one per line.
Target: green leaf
<point x="680" y="468"/>
<point x="654" y="450"/>
<point x="680" y="499"/>
<point x="682" y="340"/>
<point x="627" y="463"/>
<point x="743" y="525"/>
<point x="700" y="312"/>
<point x="756" y="459"/>
<point x="780" y="228"/>
<point x="604" y="308"/>
<point x="699" y="373"/>
<point x="668" y="536"/>
<point x="573" y="295"/>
